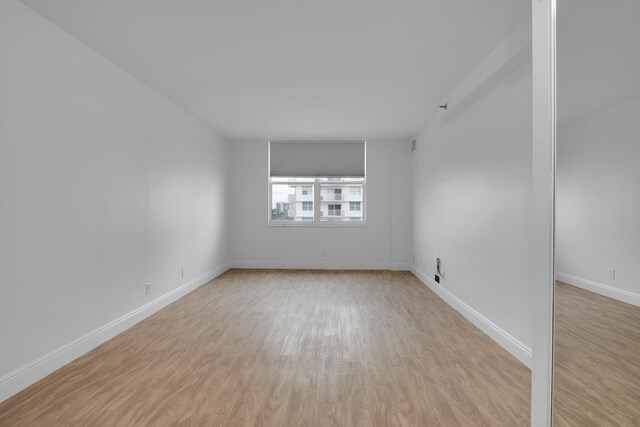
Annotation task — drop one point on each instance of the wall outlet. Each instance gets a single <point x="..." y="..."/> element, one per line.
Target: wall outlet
<point x="439" y="268"/>
<point x="323" y="253"/>
<point x="182" y="272"/>
<point x="148" y="289"/>
<point x="612" y="274"/>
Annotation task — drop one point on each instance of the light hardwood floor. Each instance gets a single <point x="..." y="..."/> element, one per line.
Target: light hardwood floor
<point x="596" y="360"/>
<point x="289" y="348"/>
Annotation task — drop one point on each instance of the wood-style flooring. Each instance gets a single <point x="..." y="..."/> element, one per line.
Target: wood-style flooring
<point x="596" y="360"/>
<point x="289" y="348"/>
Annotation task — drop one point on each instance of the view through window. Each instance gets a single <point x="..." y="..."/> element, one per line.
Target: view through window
<point x="316" y="200"/>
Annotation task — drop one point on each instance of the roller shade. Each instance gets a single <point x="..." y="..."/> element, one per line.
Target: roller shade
<point x="317" y="159"/>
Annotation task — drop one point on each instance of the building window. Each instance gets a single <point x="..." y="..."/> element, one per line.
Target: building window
<point x="335" y="210"/>
<point x="307" y="186"/>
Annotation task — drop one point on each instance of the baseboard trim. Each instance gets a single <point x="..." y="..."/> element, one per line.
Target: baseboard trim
<point x="321" y="265"/>
<point x="599" y="288"/>
<point x="29" y="374"/>
<point x="507" y="341"/>
<point x="400" y="266"/>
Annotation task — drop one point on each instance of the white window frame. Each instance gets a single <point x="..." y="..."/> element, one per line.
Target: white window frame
<point x="317" y="206"/>
<point x="303" y="205"/>
<point x="359" y="204"/>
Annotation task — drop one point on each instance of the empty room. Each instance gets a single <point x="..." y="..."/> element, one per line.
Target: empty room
<point x="319" y="213"/>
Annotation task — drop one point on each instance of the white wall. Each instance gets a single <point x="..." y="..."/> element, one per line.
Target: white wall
<point x="385" y="240"/>
<point x="598" y="198"/>
<point x="472" y="200"/>
<point x="104" y="185"/>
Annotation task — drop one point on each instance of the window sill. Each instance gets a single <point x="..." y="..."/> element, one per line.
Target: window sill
<point x="314" y="224"/>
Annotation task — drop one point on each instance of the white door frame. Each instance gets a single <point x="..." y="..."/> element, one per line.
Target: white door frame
<point x="544" y="142"/>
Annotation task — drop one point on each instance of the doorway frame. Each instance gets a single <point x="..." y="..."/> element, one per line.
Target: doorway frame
<point x="543" y="208"/>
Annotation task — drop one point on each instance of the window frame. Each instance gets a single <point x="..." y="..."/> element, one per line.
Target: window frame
<point x="316" y="183"/>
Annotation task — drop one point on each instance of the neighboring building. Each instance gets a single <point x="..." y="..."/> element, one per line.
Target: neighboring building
<point x="302" y="202"/>
<point x="282" y="210"/>
<point x="338" y="202"/>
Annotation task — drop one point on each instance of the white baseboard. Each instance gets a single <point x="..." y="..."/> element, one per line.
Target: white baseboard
<point x="507" y="341"/>
<point x="400" y="266"/>
<point x="320" y="265"/>
<point x="24" y="376"/>
<point x="599" y="288"/>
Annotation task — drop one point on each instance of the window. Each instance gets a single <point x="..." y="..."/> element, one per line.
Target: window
<point x="335" y="210"/>
<point x="286" y="205"/>
<point x="334" y="189"/>
<point x="324" y="204"/>
<point x="316" y="183"/>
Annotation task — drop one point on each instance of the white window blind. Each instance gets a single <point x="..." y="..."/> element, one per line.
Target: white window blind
<point x="316" y="159"/>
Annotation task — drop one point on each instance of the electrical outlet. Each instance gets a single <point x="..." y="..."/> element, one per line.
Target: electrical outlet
<point x="439" y="268"/>
<point x="612" y="274"/>
<point x="148" y="289"/>
<point x="323" y="253"/>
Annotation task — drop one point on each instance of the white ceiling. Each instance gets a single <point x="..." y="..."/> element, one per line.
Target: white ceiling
<point x="598" y="55"/>
<point x="295" y="69"/>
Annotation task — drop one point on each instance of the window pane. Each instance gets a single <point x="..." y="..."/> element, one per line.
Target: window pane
<point x="291" y="202"/>
<point x="341" y="200"/>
